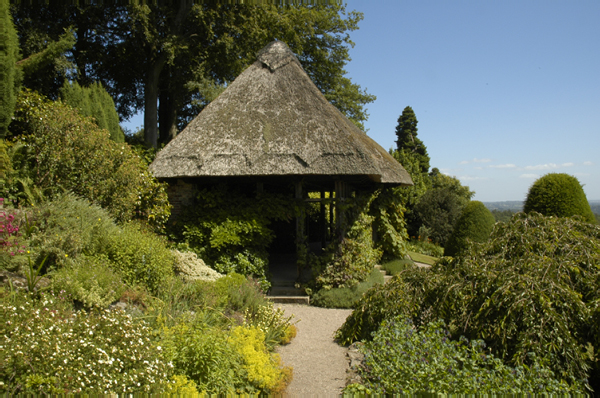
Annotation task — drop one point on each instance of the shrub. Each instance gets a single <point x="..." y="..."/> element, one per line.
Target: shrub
<point x="428" y="248"/>
<point x="47" y="349"/>
<point x="560" y="195"/>
<point x="273" y="324"/>
<point x="140" y="256"/>
<point x="385" y="301"/>
<point x="346" y="297"/>
<point x="205" y="356"/>
<point x="64" y="151"/>
<point x="475" y="224"/>
<point x="67" y="227"/>
<point x="531" y="288"/>
<point x="438" y="210"/>
<point x="90" y="281"/>
<point x="404" y="360"/>
<point x="264" y="370"/>
<point x="191" y="268"/>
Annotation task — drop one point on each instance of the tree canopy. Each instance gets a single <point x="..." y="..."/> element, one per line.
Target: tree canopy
<point x="171" y="61"/>
<point x="9" y="54"/>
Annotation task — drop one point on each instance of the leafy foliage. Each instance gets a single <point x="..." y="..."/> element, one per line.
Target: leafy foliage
<point x="64" y="151"/>
<point x="230" y="231"/>
<point x="140" y="256"/>
<point x="90" y="281"/>
<point x="389" y="222"/>
<point x="475" y="224"/>
<point x="560" y="195"/>
<point x="531" y="288"/>
<point x="346" y="263"/>
<point x="438" y="210"/>
<point x="396" y="266"/>
<point x="402" y="359"/>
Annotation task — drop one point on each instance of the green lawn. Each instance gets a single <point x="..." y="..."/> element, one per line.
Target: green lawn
<point x="422" y="258"/>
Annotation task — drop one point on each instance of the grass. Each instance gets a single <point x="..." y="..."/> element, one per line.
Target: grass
<point x="348" y="296"/>
<point x="398" y="265"/>
<point x="422" y="258"/>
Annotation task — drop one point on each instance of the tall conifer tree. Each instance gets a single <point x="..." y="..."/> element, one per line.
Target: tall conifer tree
<point x="407" y="138"/>
<point x="9" y="53"/>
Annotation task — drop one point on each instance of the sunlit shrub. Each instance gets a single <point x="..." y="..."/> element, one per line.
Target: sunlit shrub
<point x="90" y="281"/>
<point x="46" y="348"/>
<point x="264" y="369"/>
<point x="272" y="322"/>
<point x="402" y="359"/>
<point x="65" y="151"/>
<point x="140" y="256"/>
<point x="190" y="267"/>
<point x="346" y="297"/>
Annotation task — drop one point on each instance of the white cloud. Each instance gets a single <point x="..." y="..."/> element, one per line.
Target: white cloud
<point x="470" y="178"/>
<point x="528" y="176"/>
<point x="503" y="166"/>
<point x="588" y="163"/>
<point x="475" y="160"/>
<point x="548" y="166"/>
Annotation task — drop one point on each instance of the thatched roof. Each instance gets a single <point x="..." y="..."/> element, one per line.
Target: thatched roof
<point x="273" y="121"/>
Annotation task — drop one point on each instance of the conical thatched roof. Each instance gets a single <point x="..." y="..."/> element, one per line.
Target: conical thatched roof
<point x="273" y="121"/>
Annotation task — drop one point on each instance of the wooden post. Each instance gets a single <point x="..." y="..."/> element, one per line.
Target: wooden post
<point x="339" y="214"/>
<point x="300" y="239"/>
<point x="323" y="224"/>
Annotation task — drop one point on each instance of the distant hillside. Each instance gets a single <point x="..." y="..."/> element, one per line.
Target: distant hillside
<point x="512" y="205"/>
<point x="516" y="206"/>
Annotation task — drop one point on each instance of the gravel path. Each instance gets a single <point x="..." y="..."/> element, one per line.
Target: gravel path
<point x="319" y="363"/>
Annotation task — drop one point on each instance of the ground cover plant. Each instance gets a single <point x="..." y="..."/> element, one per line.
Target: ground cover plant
<point x="401" y="359"/>
<point x="532" y="288"/>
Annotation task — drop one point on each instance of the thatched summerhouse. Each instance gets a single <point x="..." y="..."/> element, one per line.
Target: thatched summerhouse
<point x="272" y="127"/>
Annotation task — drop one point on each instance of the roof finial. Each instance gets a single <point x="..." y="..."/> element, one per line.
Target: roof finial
<point x="275" y="55"/>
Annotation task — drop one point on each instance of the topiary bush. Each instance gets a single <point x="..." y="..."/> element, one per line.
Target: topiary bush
<point x="64" y="151"/>
<point x="560" y="195"/>
<point x="475" y="224"/>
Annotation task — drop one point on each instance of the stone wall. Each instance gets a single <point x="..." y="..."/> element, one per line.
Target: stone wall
<point x="181" y="195"/>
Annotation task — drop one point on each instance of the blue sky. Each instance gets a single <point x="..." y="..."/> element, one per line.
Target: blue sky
<point x="504" y="91"/>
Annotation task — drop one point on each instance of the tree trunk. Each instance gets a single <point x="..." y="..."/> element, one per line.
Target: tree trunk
<point x="167" y="115"/>
<point x="151" y="102"/>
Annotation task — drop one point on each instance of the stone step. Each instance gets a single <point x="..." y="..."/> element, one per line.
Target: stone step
<point x="285" y="291"/>
<point x="290" y="299"/>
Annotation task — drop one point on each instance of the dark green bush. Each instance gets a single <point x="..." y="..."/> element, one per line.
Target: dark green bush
<point x="346" y="297"/>
<point x="560" y="195"/>
<point x="475" y="224"/>
<point x="438" y="210"/>
<point x="64" y="151"/>
<point x="402" y="359"/>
